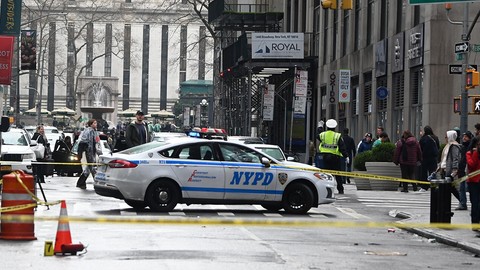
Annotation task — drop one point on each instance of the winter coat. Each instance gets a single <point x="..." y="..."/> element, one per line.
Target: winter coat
<point x="364" y="146"/>
<point x="410" y="155"/>
<point x="451" y="154"/>
<point x="473" y="162"/>
<point x="430" y="147"/>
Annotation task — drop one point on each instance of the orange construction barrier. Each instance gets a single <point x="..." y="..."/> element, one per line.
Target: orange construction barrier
<point x="63" y="240"/>
<point x="14" y="194"/>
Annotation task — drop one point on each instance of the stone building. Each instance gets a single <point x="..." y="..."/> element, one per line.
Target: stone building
<point x="138" y="53"/>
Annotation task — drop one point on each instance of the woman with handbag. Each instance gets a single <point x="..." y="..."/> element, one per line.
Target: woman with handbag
<point x="39" y="169"/>
<point x="88" y="146"/>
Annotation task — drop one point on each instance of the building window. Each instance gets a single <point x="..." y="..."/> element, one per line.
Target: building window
<point x="416" y="15"/>
<point x="369" y="21"/>
<point x="89" y="54"/>
<point x="108" y="50"/>
<point x="416" y="100"/>
<point x="346" y="22"/>
<point x="400" y="15"/>
<point x="145" y="66"/>
<point x="183" y="53"/>
<point x="367" y="100"/>
<point x="201" y="52"/>
<point x="356" y="38"/>
<point x="383" y="19"/>
<point x="334" y="35"/>
<point x="325" y="35"/>
<point x="398" y="89"/>
<point x="354" y="105"/>
<point x="127" y="43"/>
<point x="316" y="27"/>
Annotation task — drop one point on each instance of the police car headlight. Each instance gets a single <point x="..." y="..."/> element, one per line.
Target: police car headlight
<point x="324" y="176"/>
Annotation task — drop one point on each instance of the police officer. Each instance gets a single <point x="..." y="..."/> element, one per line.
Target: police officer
<point x="332" y="148"/>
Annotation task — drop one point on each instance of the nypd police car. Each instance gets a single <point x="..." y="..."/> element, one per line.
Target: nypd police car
<point x="159" y="175"/>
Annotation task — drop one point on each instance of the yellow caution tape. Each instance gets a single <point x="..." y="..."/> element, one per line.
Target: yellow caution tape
<point x="379" y="177"/>
<point x="26" y="206"/>
<point x="242" y="222"/>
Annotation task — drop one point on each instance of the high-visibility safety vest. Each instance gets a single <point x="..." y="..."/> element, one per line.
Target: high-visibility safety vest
<point x="329" y="142"/>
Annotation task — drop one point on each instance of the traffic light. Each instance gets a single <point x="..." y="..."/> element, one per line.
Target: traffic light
<point x="473" y="78"/>
<point x="331" y="4"/>
<point x="347" y="4"/>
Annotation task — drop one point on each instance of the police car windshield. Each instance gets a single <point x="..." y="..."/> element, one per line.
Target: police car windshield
<point x="142" y="148"/>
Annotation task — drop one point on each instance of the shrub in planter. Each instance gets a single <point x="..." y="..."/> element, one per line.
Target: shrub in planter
<point x="381" y="153"/>
<point x="360" y="159"/>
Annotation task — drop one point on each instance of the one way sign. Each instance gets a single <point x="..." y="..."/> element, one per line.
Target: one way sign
<point x="461" y="47"/>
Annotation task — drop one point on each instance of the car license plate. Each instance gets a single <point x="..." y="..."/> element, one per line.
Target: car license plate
<point x="6" y="168"/>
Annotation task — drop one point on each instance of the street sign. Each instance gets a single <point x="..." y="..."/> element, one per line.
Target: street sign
<point x="457" y="69"/>
<point x="476" y="47"/>
<point x="382" y="92"/>
<point x="461" y="47"/>
<point x="424" y="2"/>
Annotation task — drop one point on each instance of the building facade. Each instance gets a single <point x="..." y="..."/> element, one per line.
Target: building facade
<point x="398" y="56"/>
<point x="139" y="53"/>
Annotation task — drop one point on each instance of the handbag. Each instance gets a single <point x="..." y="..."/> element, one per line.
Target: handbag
<point x="39" y="150"/>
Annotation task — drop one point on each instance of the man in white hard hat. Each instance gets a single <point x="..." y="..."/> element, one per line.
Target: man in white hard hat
<point x="332" y="148"/>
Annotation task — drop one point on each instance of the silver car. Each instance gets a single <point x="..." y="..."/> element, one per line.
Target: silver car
<point x="186" y="170"/>
<point x="16" y="151"/>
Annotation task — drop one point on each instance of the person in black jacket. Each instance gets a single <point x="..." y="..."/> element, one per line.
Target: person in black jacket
<point x="39" y="170"/>
<point x="430" y="146"/>
<point x="351" y="150"/>
<point x="137" y="131"/>
<point x="462" y="170"/>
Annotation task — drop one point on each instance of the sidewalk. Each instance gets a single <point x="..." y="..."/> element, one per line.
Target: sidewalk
<point x="465" y="239"/>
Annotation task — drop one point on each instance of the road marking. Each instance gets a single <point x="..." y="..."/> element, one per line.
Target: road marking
<point x="352" y="213"/>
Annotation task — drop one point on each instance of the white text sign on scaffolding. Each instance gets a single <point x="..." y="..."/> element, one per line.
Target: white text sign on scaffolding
<point x="268" y="102"/>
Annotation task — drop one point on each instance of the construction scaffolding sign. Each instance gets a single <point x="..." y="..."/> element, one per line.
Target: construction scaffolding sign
<point x="268" y="102"/>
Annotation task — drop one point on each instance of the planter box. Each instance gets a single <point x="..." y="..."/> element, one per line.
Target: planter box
<point x="362" y="183"/>
<point x="386" y="169"/>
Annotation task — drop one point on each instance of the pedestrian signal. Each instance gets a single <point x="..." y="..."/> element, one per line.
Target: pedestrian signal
<point x="472" y="78"/>
<point x="329" y="4"/>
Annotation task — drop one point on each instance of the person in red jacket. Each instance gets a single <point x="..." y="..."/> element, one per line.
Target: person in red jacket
<point x="408" y="154"/>
<point x="473" y="183"/>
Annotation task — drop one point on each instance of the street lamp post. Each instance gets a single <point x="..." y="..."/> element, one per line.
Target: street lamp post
<point x="38" y="105"/>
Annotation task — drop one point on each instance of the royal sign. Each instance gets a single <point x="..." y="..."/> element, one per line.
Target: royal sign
<point x="277" y="45"/>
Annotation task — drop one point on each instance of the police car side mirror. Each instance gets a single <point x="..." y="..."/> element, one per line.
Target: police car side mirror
<point x="266" y="162"/>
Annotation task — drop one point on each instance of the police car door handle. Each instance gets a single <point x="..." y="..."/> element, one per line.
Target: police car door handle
<point x="233" y="167"/>
<point x="180" y="166"/>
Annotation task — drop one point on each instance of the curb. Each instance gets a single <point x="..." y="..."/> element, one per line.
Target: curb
<point x="467" y="246"/>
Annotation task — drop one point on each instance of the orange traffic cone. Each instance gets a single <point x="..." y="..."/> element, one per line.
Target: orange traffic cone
<point x="63" y="240"/>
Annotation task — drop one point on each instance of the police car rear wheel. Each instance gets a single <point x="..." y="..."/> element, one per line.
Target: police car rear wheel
<point x="162" y="196"/>
<point x="137" y="205"/>
<point x="298" y="199"/>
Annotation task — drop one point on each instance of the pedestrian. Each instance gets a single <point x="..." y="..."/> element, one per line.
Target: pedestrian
<point x="318" y="157"/>
<point x="450" y="159"/>
<point x="39" y="170"/>
<point x="462" y="170"/>
<point x="137" y="132"/>
<point x="365" y="144"/>
<point x="332" y="148"/>
<point x="351" y="151"/>
<point x="430" y="146"/>
<point x="473" y="183"/>
<point x="408" y="155"/>
<point x="383" y="138"/>
<point x="88" y="147"/>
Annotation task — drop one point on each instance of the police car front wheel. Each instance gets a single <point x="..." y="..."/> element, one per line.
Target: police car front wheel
<point x="162" y="196"/>
<point x="297" y="199"/>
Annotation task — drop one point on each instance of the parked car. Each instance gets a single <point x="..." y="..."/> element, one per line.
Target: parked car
<point x="191" y="170"/>
<point x="246" y="139"/>
<point x="272" y="150"/>
<point x="17" y="147"/>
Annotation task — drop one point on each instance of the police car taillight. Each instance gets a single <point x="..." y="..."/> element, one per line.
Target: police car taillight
<point x="120" y="163"/>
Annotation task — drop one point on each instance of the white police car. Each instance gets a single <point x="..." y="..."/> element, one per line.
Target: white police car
<point x="161" y="174"/>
